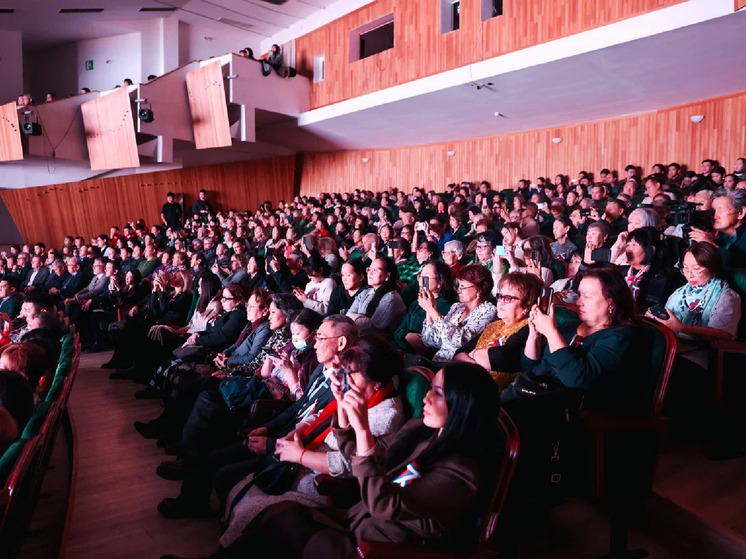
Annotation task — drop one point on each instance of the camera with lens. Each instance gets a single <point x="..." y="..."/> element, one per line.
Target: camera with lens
<point x="687" y="215"/>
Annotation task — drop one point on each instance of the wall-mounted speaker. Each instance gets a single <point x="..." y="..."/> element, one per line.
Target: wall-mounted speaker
<point x="31" y="128"/>
<point x="146" y="115"/>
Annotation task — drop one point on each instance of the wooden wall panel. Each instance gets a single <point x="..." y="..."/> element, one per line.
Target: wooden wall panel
<point x="658" y="137"/>
<point x="91" y="207"/>
<point x="740" y="4"/>
<point x="421" y="50"/>
<point x="110" y="131"/>
<point x="209" y="108"/>
<point x="11" y="148"/>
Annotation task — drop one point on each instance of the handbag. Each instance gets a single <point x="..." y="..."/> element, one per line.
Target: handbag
<point x="276" y="477"/>
<point x="240" y="392"/>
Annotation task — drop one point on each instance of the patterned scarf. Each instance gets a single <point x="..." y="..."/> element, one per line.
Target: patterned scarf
<point x="693" y="304"/>
<point x="633" y="280"/>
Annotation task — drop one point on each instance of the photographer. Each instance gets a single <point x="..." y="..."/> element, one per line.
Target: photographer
<point x="729" y="234"/>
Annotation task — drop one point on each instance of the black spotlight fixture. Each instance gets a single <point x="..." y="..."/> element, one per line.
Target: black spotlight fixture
<point x="31" y="128"/>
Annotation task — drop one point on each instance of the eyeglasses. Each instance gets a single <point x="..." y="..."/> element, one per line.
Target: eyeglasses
<point x="227" y="298"/>
<point x="461" y="287"/>
<point x="506" y="298"/>
<point x="324" y="338"/>
<point x="693" y="271"/>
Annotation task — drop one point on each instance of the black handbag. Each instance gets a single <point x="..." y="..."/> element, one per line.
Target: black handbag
<point x="275" y="477"/>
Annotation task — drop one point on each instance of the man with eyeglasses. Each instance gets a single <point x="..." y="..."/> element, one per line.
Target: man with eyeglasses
<point x="227" y="466"/>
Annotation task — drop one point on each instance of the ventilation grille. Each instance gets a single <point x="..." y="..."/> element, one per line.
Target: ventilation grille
<point x="6" y="10"/>
<point x="158" y="9"/>
<point x="81" y="10"/>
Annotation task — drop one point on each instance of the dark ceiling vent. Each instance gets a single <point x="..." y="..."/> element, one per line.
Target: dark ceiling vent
<point x="6" y="10"/>
<point x="235" y="23"/>
<point x="158" y="9"/>
<point x="276" y="2"/>
<point x="81" y="10"/>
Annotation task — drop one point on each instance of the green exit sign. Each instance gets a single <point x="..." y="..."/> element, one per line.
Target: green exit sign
<point x="89" y="64"/>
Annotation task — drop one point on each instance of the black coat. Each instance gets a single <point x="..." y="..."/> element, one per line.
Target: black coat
<point x="225" y="330"/>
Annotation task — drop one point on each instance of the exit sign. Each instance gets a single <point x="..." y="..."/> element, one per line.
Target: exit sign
<point x="89" y="64"/>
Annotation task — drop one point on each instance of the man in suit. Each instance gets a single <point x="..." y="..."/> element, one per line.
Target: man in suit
<point x="227" y="466"/>
<point x="78" y="304"/>
<point x="23" y="268"/>
<point x="73" y="281"/>
<point x="55" y="280"/>
<point x="38" y="275"/>
<point x="10" y="299"/>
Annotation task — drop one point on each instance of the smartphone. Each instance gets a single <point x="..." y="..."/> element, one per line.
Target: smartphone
<point x="500" y="251"/>
<point x="585" y="213"/>
<point x="393" y="245"/>
<point x="425" y="282"/>
<point x="535" y="256"/>
<point x="271" y="352"/>
<point x="269" y="254"/>
<point x="659" y="311"/>
<point x="420" y="226"/>
<point x="343" y="378"/>
<point x="308" y="242"/>
<point x="545" y="299"/>
<point x="601" y="255"/>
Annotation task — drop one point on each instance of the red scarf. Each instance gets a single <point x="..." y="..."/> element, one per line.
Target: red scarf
<point x="331" y="408"/>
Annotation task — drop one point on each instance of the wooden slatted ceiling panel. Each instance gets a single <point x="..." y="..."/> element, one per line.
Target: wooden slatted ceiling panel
<point x="11" y="148"/>
<point x="658" y="137"/>
<point x="208" y="106"/>
<point x="110" y="131"/>
<point x="89" y="208"/>
<point x="421" y="50"/>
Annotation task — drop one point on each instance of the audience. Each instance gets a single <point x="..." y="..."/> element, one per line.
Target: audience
<point x="216" y="309"/>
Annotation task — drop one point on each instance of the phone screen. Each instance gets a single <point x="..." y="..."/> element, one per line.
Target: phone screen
<point x="500" y="251"/>
<point x="545" y="299"/>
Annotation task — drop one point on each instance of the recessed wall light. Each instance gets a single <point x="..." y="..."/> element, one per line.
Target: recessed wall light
<point x="697" y="118"/>
<point x="365" y="159"/>
<point x="557" y="140"/>
<point x="451" y="153"/>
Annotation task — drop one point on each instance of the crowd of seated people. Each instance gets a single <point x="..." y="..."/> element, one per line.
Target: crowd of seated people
<point x="320" y="304"/>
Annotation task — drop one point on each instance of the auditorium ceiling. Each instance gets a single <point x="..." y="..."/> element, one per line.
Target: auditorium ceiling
<point x="43" y="25"/>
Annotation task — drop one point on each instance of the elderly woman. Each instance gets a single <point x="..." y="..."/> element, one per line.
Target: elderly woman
<point x="499" y="347"/>
<point x="595" y="238"/>
<point x="453" y="252"/>
<point x="730" y="228"/>
<point x="641" y="217"/>
<point x="369" y="368"/>
<point x="705" y="307"/>
<point x="379" y="307"/>
<point x="648" y="276"/>
<point x="465" y="320"/>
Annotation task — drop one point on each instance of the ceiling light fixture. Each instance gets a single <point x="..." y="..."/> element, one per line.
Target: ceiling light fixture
<point x="696" y="119"/>
<point x="451" y="153"/>
<point x="366" y="159"/>
<point x="557" y="140"/>
<point x="498" y="114"/>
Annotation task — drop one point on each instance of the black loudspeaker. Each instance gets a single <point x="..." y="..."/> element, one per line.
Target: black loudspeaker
<point x="146" y="115"/>
<point x="292" y="72"/>
<point x="31" y="128"/>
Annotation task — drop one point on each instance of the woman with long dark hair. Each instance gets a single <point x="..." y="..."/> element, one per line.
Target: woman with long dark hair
<point x="379" y="307"/>
<point x="429" y="481"/>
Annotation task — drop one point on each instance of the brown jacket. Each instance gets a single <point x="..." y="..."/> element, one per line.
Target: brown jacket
<point x="425" y="510"/>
